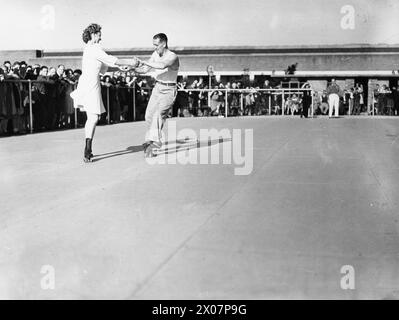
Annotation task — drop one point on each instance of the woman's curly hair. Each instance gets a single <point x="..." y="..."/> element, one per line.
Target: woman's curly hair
<point x="93" y="28"/>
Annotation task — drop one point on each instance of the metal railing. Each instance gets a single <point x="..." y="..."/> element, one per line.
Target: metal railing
<point x="279" y="95"/>
<point x="107" y="102"/>
<point x="269" y="92"/>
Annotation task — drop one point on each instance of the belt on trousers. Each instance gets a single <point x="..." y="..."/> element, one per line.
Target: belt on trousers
<point x="168" y="84"/>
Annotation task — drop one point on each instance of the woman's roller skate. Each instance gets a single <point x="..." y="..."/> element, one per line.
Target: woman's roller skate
<point x="88" y="155"/>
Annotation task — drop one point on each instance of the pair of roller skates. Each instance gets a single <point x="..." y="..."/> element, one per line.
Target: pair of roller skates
<point x="151" y="148"/>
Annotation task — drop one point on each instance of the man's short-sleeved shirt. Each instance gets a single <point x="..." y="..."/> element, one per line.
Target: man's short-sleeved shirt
<point x="168" y="74"/>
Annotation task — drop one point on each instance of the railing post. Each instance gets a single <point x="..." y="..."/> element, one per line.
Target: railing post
<point x="134" y="101"/>
<point x="283" y="103"/>
<point x="225" y="104"/>
<point x="30" y="107"/>
<point x="270" y="104"/>
<point x="311" y="93"/>
<point x="372" y="103"/>
<point x="349" y="104"/>
<point x="76" y="118"/>
<point x="209" y="92"/>
<point x="76" y="112"/>
<point x="242" y="103"/>
<point x="108" y="114"/>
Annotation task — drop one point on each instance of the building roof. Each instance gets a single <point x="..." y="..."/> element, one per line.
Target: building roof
<point x="246" y="50"/>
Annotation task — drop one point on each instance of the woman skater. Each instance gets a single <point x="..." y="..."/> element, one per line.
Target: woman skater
<point x="87" y="96"/>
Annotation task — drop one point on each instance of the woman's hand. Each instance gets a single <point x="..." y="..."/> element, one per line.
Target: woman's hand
<point x="124" y="68"/>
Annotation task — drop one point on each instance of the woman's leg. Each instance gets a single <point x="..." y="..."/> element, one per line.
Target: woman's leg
<point x="90" y="128"/>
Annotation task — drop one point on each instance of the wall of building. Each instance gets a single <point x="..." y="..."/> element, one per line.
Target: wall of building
<point x="17" y="55"/>
<point x="193" y="63"/>
<point x="227" y="60"/>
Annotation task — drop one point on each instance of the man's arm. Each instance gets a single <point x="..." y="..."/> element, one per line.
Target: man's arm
<point x="161" y="64"/>
<point x="139" y="68"/>
<point x="142" y="69"/>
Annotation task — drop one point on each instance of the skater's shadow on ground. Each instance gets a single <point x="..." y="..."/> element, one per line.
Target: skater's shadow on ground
<point x="169" y="147"/>
<point x="131" y="149"/>
<point x="179" y="146"/>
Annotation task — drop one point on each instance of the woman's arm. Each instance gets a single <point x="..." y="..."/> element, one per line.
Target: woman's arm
<point x="111" y="61"/>
<point x="134" y="62"/>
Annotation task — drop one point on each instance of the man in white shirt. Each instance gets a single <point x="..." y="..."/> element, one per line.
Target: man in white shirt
<point x="333" y="92"/>
<point x="166" y="64"/>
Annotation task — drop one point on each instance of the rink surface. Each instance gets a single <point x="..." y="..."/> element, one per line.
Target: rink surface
<point x="322" y="194"/>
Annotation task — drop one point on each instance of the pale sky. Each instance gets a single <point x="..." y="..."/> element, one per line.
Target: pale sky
<point x="58" y="24"/>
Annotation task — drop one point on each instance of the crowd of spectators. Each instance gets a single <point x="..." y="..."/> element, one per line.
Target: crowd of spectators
<point x="52" y="106"/>
<point x="254" y="100"/>
<point x="384" y="101"/>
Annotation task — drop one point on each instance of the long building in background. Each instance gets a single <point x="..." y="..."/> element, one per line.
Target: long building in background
<point x="361" y="60"/>
<point x="365" y="64"/>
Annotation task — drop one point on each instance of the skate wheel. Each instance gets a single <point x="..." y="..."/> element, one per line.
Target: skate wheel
<point x="150" y="154"/>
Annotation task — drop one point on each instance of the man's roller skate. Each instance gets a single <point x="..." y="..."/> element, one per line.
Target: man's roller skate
<point x="151" y="150"/>
<point x="146" y="145"/>
<point x="88" y="155"/>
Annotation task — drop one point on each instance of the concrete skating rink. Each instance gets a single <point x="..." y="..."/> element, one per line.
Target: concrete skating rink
<point x="323" y="193"/>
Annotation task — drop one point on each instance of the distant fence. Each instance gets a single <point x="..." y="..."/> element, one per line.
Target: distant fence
<point x="129" y="102"/>
<point x="272" y="98"/>
<point x="26" y="95"/>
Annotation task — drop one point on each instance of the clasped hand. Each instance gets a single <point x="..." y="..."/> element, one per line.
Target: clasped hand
<point x="138" y="64"/>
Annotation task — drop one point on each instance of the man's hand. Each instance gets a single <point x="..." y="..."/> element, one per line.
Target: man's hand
<point x="136" y="63"/>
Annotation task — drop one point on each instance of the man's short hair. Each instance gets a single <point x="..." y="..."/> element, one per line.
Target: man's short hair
<point x="43" y="67"/>
<point x="60" y="66"/>
<point x="91" y="29"/>
<point x="162" y="37"/>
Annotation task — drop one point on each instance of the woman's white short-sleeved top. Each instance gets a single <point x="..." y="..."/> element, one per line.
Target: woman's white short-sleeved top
<point x="87" y="96"/>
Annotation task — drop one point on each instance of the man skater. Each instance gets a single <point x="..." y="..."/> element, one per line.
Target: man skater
<point x="166" y="65"/>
